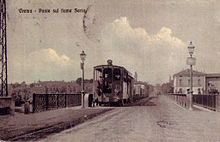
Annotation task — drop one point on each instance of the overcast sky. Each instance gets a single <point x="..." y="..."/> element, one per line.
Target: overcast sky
<point x="146" y="36"/>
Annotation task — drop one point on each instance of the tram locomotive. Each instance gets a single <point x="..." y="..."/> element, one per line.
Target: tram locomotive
<point x="112" y="84"/>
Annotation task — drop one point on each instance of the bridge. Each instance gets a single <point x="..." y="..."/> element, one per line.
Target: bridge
<point x="156" y="118"/>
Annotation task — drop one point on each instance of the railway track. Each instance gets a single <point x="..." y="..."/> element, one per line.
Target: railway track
<point x="36" y="134"/>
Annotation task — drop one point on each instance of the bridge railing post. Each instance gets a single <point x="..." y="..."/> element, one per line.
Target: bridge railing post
<point x="34" y="102"/>
<point x="47" y="101"/>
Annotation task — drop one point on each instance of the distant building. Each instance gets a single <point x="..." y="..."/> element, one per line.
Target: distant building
<point x="182" y="82"/>
<point x="139" y="87"/>
<point x="212" y="83"/>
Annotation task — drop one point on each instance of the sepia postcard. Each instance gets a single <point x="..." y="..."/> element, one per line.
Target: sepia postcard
<point x="101" y="70"/>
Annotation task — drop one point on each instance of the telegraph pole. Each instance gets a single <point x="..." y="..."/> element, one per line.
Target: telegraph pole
<point x="3" y="52"/>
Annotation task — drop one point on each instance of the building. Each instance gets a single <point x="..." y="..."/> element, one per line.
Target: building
<point x="139" y="89"/>
<point x="182" y="82"/>
<point x="212" y="83"/>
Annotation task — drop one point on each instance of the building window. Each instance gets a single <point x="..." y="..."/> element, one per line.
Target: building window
<point x="180" y="82"/>
<point x="189" y="82"/>
<point x="188" y="91"/>
<point x="180" y="91"/>
<point x="199" y="82"/>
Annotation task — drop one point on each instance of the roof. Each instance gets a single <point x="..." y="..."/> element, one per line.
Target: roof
<point x="211" y="75"/>
<point x="187" y="73"/>
<point x="114" y="66"/>
<point x="108" y="66"/>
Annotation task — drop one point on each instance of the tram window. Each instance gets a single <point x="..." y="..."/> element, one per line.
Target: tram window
<point x="98" y="75"/>
<point x="129" y="79"/>
<point x="108" y="74"/>
<point x="117" y="74"/>
<point x="125" y="76"/>
<point x="107" y="86"/>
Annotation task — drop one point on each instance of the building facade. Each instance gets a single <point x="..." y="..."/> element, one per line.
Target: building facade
<point x="212" y="83"/>
<point x="182" y="82"/>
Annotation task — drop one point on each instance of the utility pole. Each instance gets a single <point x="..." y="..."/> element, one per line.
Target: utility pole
<point x="3" y="52"/>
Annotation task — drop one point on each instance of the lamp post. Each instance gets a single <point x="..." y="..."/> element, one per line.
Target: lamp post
<point x="191" y="61"/>
<point x="83" y="57"/>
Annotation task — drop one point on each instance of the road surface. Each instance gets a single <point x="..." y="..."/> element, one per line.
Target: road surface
<point x="155" y="120"/>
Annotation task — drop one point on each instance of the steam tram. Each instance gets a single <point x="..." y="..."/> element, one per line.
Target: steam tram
<point x="112" y="84"/>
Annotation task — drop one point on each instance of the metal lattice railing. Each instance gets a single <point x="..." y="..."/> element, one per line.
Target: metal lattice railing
<point x="207" y="101"/>
<point x="43" y="102"/>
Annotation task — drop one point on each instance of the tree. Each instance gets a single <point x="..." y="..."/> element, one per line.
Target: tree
<point x="91" y="81"/>
<point x="32" y="85"/>
<point x="167" y="87"/>
<point x="79" y="80"/>
<point x="63" y="89"/>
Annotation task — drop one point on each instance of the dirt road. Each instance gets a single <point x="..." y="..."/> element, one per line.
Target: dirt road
<point x="156" y="120"/>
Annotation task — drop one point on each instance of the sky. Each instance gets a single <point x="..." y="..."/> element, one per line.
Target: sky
<point x="149" y="37"/>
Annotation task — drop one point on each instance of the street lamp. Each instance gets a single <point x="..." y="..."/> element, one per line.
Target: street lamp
<point x="191" y="61"/>
<point x="83" y="57"/>
<point x="191" y="48"/>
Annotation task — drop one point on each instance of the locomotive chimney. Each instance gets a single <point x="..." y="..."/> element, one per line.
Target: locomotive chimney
<point x="109" y="62"/>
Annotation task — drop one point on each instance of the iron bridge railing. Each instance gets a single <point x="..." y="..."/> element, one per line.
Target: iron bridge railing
<point x="44" y="102"/>
<point x="208" y="101"/>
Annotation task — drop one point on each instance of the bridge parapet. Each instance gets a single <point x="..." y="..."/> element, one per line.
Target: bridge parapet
<point x="211" y="102"/>
<point x="43" y="102"/>
<point x="208" y="101"/>
<point x="6" y="105"/>
<point x="180" y="99"/>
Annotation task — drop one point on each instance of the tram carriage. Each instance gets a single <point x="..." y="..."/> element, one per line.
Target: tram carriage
<point x="112" y="84"/>
<point x="139" y="91"/>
